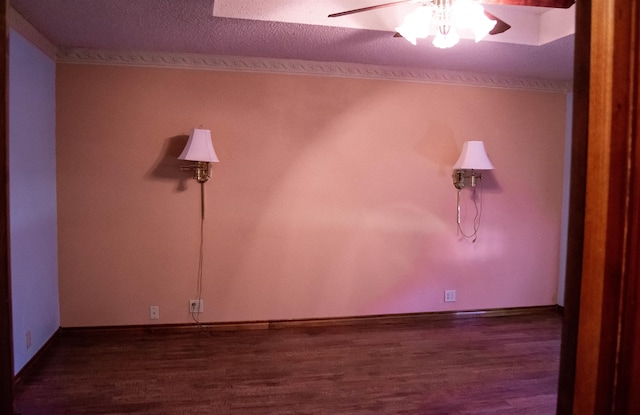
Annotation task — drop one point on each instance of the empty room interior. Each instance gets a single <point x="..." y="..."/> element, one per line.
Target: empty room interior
<point x="339" y="201"/>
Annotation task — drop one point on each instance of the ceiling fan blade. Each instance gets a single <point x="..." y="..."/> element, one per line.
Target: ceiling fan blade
<point x="366" y="9"/>
<point x="500" y="27"/>
<point x="557" y="4"/>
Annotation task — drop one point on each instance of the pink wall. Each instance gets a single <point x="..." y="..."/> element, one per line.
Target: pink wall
<point x="333" y="196"/>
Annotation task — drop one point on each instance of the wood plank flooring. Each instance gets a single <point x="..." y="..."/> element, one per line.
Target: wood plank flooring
<point x="480" y="365"/>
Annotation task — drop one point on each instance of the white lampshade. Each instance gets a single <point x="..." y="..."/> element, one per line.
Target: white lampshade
<point x="473" y="157"/>
<point x="199" y="147"/>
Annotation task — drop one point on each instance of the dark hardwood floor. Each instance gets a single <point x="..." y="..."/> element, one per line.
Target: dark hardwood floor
<point x="477" y="365"/>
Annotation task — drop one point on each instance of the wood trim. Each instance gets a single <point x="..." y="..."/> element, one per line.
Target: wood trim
<point x="606" y="273"/>
<point x="627" y="399"/>
<point x="575" y="234"/>
<point x="533" y="3"/>
<point x="411" y="317"/>
<point x="6" y="339"/>
<point x="327" y="322"/>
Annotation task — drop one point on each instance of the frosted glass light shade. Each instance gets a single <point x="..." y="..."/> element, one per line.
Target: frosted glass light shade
<point x="470" y="15"/>
<point x="473" y="157"/>
<point x="199" y="147"/>
<point x="416" y="25"/>
<point x="446" y="41"/>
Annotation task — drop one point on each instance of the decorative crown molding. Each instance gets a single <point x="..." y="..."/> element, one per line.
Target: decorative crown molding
<point x="301" y="67"/>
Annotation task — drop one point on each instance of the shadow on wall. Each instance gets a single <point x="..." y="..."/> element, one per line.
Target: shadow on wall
<point x="438" y="139"/>
<point x="489" y="183"/>
<point x="167" y="166"/>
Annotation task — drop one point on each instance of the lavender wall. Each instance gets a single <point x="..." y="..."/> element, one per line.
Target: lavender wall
<point x="32" y="198"/>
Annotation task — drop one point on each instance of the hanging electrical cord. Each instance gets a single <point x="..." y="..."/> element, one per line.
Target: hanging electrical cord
<point x="476" y="218"/>
<point x="194" y="313"/>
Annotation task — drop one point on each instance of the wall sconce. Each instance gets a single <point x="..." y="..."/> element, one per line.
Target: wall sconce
<point x="199" y="150"/>
<point x="473" y="157"/>
<point x="471" y="162"/>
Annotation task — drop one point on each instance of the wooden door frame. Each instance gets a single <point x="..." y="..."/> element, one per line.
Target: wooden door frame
<point x="575" y="234"/>
<point x="600" y="346"/>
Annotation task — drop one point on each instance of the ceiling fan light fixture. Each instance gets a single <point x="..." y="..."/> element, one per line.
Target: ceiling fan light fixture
<point x="466" y="12"/>
<point x="445" y="41"/>
<point x="416" y="24"/>
<point x="482" y="26"/>
<point x="471" y="15"/>
<point x="447" y="16"/>
<point x="444" y="29"/>
<point x="443" y="12"/>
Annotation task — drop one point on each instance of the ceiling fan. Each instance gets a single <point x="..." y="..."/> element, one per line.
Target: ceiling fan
<point x="444" y="12"/>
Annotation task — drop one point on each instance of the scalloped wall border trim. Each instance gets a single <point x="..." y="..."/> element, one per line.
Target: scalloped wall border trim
<point x="301" y="67"/>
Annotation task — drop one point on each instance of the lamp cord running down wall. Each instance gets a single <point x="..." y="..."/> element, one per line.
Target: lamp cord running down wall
<point x="194" y="313"/>
<point x="476" y="218"/>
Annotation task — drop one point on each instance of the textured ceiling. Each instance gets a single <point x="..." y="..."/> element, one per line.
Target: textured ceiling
<point x="189" y="26"/>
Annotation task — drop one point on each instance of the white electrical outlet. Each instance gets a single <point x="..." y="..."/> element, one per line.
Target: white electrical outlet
<point x="449" y="296"/>
<point x="196" y="306"/>
<point x="154" y="312"/>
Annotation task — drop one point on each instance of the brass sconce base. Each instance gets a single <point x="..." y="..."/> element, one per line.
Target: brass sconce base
<point x="201" y="170"/>
<point x="460" y="176"/>
<point x="202" y="173"/>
